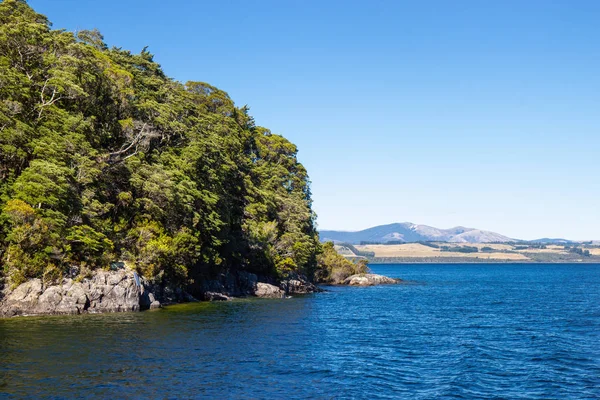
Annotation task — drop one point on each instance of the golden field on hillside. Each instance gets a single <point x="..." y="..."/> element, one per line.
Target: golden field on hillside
<point x="447" y="252"/>
<point x="595" y="252"/>
<point x="421" y="251"/>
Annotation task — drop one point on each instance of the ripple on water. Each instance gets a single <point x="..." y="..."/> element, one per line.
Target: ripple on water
<point x="459" y="331"/>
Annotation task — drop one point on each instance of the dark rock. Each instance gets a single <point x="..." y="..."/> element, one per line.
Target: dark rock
<point x="243" y="283"/>
<point x="214" y="296"/>
<point x="298" y="284"/>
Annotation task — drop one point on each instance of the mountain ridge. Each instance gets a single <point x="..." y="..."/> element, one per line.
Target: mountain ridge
<point x="409" y="232"/>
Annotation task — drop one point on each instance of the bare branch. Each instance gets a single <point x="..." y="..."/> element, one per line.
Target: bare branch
<point x="139" y="142"/>
<point x="52" y="100"/>
<point x="134" y="142"/>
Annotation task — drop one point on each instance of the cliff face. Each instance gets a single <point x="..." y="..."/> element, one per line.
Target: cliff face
<point x="119" y="291"/>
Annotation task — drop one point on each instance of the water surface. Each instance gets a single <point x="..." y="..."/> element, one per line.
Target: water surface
<point x="457" y="331"/>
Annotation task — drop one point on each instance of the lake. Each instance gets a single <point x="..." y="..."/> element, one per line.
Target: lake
<point x="454" y="331"/>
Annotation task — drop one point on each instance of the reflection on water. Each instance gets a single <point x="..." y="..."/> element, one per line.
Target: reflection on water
<point x="525" y="331"/>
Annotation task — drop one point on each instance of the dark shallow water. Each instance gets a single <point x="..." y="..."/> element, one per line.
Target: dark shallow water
<point x="458" y="331"/>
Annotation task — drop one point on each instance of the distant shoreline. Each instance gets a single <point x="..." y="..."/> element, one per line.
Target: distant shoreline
<point x="441" y="252"/>
<point x="454" y="260"/>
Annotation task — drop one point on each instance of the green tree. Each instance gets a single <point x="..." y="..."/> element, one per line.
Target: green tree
<point x="104" y="158"/>
<point x="334" y="268"/>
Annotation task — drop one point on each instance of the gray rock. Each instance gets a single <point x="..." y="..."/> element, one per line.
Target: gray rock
<point x="267" y="290"/>
<point x="117" y="291"/>
<point x="106" y="291"/>
<point x="369" y="280"/>
<point x="27" y="292"/>
<point x="155" y="304"/>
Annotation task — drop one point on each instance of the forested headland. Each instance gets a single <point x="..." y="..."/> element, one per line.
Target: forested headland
<point x="104" y="159"/>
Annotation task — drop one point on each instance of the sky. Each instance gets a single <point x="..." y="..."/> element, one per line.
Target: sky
<point x="475" y="113"/>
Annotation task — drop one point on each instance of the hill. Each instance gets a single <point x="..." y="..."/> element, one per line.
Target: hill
<point x="444" y="252"/>
<point x="408" y="232"/>
<point x="105" y="160"/>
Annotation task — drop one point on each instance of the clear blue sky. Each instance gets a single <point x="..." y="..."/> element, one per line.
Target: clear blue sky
<point x="475" y="113"/>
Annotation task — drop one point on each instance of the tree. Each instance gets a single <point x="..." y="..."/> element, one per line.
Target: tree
<point x="334" y="268"/>
<point x="104" y="158"/>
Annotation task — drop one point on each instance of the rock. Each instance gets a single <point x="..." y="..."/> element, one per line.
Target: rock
<point x="117" y="290"/>
<point x="22" y="299"/>
<point x="214" y="296"/>
<point x="246" y="282"/>
<point x="155" y="304"/>
<point x="28" y="291"/>
<point x="368" y="280"/>
<point x="105" y="291"/>
<point x="150" y="302"/>
<point x="298" y="284"/>
<point x="114" y="291"/>
<point x="267" y="290"/>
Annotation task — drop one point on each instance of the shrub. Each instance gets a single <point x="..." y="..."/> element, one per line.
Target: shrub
<point x="334" y="268"/>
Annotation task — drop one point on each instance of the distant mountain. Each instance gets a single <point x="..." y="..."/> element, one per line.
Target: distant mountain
<point x="409" y="232"/>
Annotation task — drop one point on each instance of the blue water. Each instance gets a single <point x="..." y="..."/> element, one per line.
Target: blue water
<point x="456" y="331"/>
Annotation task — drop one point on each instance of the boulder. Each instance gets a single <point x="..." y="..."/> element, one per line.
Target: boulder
<point x="267" y="290"/>
<point x="155" y="304"/>
<point x="298" y="284"/>
<point x="369" y="280"/>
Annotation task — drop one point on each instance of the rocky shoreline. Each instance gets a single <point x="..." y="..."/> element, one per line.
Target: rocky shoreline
<point x="123" y="290"/>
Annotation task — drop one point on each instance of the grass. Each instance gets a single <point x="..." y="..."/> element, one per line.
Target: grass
<point x="501" y="252"/>
<point x="416" y="250"/>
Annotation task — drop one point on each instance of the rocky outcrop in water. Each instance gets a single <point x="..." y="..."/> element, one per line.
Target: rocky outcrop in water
<point x="266" y="290"/>
<point x="369" y="280"/>
<point x="298" y="284"/>
<point x="243" y="283"/>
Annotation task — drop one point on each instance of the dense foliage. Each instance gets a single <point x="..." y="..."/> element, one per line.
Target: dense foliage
<point x="460" y="249"/>
<point x="578" y="250"/>
<point x="105" y="158"/>
<point x="334" y="268"/>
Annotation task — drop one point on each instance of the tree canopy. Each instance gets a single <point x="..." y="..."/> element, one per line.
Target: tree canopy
<point x="105" y="158"/>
